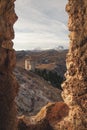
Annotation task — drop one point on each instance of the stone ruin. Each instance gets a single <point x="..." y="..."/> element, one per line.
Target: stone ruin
<point x="75" y="86"/>
<point x="30" y="64"/>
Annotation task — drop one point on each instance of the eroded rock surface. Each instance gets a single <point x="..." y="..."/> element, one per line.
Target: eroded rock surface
<point x="8" y="84"/>
<point x="75" y="86"/>
<point x="46" y="119"/>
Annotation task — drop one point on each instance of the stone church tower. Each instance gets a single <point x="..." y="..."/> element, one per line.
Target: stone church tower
<point x="30" y="64"/>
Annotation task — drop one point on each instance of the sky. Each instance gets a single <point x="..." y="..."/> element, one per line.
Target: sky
<point x="42" y="24"/>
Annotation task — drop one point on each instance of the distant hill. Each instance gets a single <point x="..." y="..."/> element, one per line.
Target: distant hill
<point x="48" y="59"/>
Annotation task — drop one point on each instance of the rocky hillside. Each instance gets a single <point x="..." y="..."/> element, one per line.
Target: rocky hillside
<point x="34" y="92"/>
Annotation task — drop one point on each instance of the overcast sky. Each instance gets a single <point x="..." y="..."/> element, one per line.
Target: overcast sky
<point x="41" y="24"/>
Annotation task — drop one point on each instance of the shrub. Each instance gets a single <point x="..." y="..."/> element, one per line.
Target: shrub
<point x="51" y="76"/>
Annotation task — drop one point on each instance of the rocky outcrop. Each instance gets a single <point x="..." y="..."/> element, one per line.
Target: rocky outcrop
<point x="42" y="125"/>
<point x="75" y="86"/>
<point x="52" y="112"/>
<point x="46" y="118"/>
<point x="8" y="84"/>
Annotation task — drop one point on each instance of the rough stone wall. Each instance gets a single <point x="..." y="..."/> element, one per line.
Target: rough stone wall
<point x="46" y="119"/>
<point x="75" y="86"/>
<point x="8" y="84"/>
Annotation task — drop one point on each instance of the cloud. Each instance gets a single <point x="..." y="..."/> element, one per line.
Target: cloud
<point x="41" y="23"/>
<point x="33" y="40"/>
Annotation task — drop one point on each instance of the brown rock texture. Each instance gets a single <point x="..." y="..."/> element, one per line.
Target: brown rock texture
<point x="42" y="125"/>
<point x="52" y="112"/>
<point x="45" y="119"/>
<point x="75" y="86"/>
<point x="8" y="84"/>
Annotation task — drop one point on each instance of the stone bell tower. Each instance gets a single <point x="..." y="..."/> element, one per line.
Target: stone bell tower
<point x="30" y="63"/>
